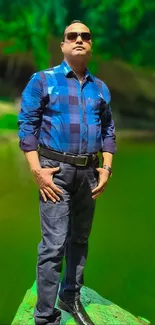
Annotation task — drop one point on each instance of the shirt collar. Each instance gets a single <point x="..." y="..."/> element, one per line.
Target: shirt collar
<point x="69" y="72"/>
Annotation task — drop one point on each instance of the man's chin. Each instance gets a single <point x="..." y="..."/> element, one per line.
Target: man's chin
<point x="79" y="55"/>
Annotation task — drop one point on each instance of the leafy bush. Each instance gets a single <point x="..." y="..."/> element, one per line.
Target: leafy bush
<point x="8" y="121"/>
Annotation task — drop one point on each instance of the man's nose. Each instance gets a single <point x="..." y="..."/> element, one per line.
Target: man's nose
<point x="79" y="39"/>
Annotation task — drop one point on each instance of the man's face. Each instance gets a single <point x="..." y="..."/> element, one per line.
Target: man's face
<point x="74" y="45"/>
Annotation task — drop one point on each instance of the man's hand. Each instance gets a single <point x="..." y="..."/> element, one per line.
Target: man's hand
<point x="44" y="178"/>
<point x="103" y="179"/>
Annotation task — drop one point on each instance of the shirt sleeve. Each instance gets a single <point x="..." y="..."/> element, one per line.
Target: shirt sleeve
<point x="107" y="124"/>
<point x="30" y="115"/>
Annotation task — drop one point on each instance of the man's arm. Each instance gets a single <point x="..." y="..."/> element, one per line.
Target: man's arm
<point x="107" y="159"/>
<point x="107" y="126"/>
<point x="108" y="141"/>
<point x="29" y="121"/>
<point x="33" y="160"/>
<point x="30" y="115"/>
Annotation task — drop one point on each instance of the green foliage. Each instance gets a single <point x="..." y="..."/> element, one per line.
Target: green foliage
<point x="28" y="26"/>
<point x="8" y="122"/>
<point x="121" y="29"/>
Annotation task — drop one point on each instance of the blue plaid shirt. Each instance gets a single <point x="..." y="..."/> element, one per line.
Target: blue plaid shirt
<point x="61" y="114"/>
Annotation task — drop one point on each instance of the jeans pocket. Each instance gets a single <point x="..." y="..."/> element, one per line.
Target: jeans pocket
<point x="46" y="162"/>
<point x="94" y="175"/>
<point x="95" y="163"/>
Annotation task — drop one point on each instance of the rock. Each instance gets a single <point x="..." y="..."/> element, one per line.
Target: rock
<point x="101" y="311"/>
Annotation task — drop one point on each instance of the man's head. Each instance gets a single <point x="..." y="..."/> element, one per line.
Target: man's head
<point x="77" y="42"/>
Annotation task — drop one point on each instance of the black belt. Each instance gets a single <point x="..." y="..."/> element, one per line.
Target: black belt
<point x="77" y="160"/>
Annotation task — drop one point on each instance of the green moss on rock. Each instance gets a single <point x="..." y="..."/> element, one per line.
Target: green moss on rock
<point x="100" y="310"/>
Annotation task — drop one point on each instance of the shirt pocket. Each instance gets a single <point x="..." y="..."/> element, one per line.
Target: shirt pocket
<point x="54" y="100"/>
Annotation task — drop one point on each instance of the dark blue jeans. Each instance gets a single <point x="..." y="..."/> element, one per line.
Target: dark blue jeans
<point x="65" y="227"/>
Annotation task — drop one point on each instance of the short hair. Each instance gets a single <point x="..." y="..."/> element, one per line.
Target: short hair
<point x="76" y="21"/>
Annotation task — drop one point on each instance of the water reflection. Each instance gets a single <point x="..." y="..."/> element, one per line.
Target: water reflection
<point x="121" y="263"/>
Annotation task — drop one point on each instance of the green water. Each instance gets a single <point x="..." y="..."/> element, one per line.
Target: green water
<point x="121" y="264"/>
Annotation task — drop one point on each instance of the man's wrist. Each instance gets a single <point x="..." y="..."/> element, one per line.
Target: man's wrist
<point x="36" y="171"/>
<point x="108" y="168"/>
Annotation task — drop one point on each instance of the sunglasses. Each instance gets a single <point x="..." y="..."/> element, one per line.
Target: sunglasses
<point x="72" y="36"/>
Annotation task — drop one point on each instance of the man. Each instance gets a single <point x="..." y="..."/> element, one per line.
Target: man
<point x="65" y="110"/>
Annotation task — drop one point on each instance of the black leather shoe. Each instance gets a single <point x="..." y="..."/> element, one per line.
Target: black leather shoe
<point x="55" y="319"/>
<point x="76" y="309"/>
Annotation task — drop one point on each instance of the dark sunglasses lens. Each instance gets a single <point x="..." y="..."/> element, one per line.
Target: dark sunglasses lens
<point x="86" y="36"/>
<point x="71" y="36"/>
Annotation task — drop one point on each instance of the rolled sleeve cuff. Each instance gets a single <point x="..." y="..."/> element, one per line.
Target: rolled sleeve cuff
<point x="29" y="143"/>
<point x="109" y="145"/>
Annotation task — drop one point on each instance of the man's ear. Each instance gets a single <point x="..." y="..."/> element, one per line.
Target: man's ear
<point x="62" y="45"/>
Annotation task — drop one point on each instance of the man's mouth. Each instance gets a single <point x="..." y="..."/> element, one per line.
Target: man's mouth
<point x="78" y="48"/>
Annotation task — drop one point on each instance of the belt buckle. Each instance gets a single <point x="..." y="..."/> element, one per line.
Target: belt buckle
<point x="83" y="165"/>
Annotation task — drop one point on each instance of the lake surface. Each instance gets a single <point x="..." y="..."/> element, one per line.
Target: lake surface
<point x="121" y="263"/>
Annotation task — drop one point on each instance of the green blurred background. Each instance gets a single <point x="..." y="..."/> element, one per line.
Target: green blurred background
<point x="121" y="264"/>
